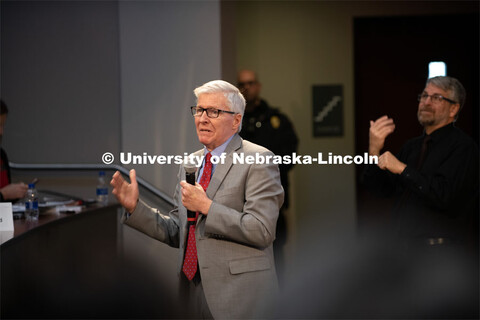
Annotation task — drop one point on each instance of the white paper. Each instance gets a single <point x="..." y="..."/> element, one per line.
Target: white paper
<point x="5" y="236"/>
<point x="69" y="209"/>
<point x="18" y="207"/>
<point x="6" y="216"/>
<point x="6" y="221"/>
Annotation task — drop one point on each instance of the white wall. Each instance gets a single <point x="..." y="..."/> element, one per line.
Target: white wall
<point x="167" y="49"/>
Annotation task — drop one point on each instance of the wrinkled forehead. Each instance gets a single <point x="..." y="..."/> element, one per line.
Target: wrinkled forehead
<point x="433" y="89"/>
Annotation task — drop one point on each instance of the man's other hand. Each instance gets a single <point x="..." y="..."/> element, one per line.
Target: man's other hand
<point x="388" y="161"/>
<point x="126" y="193"/>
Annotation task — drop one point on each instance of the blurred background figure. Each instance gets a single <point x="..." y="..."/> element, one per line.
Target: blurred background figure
<point x="8" y="191"/>
<point x="271" y="129"/>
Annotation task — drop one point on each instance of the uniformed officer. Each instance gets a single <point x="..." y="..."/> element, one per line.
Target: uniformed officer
<point x="270" y="128"/>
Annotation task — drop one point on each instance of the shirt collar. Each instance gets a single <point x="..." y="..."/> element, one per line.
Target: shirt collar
<point x="440" y="133"/>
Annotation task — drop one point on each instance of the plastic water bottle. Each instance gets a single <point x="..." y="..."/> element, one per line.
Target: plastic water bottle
<point x="31" y="203"/>
<point x="102" y="189"/>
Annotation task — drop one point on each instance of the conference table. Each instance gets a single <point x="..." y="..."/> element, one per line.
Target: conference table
<point x="72" y="265"/>
<point x="53" y="266"/>
<point x="22" y="225"/>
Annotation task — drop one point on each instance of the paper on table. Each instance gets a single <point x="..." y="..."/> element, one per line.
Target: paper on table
<point x="6" y="221"/>
<point x="18" y="207"/>
<point x="68" y="209"/>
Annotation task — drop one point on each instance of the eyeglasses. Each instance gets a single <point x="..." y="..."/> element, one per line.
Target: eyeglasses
<point x="211" y="112"/>
<point x="244" y="84"/>
<point x="436" y="98"/>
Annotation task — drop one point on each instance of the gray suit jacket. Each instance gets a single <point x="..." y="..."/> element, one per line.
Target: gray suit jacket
<point x="234" y="241"/>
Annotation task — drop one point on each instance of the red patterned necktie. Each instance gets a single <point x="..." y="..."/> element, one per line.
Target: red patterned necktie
<point x="190" y="262"/>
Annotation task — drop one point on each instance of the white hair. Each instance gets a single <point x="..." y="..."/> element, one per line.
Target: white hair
<point x="234" y="97"/>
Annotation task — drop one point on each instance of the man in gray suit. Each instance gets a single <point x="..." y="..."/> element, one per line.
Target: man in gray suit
<point x="226" y="263"/>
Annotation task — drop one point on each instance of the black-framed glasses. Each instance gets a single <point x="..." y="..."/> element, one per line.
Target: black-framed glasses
<point x="436" y="98"/>
<point x="211" y="112"/>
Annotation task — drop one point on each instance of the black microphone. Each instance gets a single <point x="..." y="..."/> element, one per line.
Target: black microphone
<point x="190" y="170"/>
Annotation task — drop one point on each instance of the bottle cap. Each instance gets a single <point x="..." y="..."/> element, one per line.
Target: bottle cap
<point x="31" y="186"/>
<point x="101" y="173"/>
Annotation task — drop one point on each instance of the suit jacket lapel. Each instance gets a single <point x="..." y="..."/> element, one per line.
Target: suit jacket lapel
<point x="222" y="169"/>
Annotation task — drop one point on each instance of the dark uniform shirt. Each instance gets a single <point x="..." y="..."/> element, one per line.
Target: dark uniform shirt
<point x="440" y="198"/>
<point x="267" y="127"/>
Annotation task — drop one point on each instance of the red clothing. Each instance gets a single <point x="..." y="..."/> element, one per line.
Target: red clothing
<point x="4" y="170"/>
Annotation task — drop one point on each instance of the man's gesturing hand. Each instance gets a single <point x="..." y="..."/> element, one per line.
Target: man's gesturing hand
<point x="379" y="130"/>
<point x="126" y="193"/>
<point x="388" y="161"/>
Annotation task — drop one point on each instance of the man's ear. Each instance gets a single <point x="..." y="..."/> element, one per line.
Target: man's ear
<point x="454" y="109"/>
<point x="237" y="120"/>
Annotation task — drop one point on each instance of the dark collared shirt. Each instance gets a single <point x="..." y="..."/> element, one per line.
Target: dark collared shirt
<point x="441" y="198"/>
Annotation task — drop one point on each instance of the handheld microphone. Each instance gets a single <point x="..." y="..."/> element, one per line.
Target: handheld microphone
<point x="190" y="170"/>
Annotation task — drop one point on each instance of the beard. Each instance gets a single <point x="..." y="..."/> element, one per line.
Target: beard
<point x="425" y="119"/>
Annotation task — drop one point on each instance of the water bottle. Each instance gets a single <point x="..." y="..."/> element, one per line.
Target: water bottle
<point x="31" y="203"/>
<point x="102" y="189"/>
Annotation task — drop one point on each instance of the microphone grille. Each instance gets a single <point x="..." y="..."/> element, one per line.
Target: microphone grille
<point x="189" y="166"/>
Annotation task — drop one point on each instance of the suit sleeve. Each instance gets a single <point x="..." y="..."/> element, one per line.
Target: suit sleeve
<point x="163" y="227"/>
<point x="255" y="224"/>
